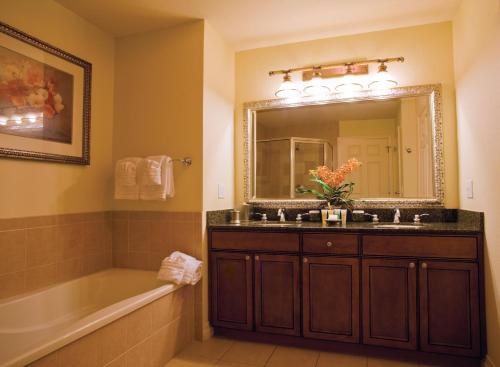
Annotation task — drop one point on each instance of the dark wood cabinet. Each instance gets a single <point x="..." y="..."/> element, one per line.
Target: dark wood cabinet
<point x="277" y="296"/>
<point x="449" y="308"/>
<point x="330" y="287"/>
<point x="420" y="292"/>
<point x="231" y="290"/>
<point x="389" y="303"/>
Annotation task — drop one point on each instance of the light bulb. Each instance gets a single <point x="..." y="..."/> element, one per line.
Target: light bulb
<point x="383" y="80"/>
<point x="287" y="89"/>
<point x="3" y="120"/>
<point x="31" y="118"/>
<point x="317" y="86"/>
<point x="17" y="119"/>
<point x="349" y="83"/>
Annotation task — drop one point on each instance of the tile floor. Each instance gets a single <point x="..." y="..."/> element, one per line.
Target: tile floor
<point x="230" y="353"/>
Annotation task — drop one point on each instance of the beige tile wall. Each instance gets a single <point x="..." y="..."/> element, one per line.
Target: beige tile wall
<point x="39" y="251"/>
<point x="142" y="239"/>
<point x="149" y="336"/>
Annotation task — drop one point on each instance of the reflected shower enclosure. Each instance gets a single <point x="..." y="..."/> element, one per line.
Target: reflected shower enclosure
<point x="283" y="164"/>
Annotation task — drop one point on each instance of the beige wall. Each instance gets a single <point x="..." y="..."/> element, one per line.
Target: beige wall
<point x="218" y="148"/>
<point x="37" y="188"/>
<point x="218" y="120"/>
<point x="429" y="59"/>
<point x="376" y="127"/>
<point x="476" y="32"/>
<point x="159" y="109"/>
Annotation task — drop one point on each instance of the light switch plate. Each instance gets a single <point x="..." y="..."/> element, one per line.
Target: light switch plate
<point x="469" y="188"/>
<point x="221" y="191"/>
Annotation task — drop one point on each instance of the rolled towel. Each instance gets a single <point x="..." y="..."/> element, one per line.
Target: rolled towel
<point x="126" y="178"/>
<point x="171" y="271"/>
<point x="180" y="269"/>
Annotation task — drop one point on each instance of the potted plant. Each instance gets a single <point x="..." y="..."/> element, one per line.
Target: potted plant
<point x="334" y="190"/>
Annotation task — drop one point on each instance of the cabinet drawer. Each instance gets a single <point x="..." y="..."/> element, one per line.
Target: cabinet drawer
<point x="269" y="241"/>
<point x="421" y="246"/>
<point x="328" y="243"/>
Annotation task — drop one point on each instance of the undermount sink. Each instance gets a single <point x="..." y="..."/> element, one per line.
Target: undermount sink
<point x="275" y="224"/>
<point x="397" y="226"/>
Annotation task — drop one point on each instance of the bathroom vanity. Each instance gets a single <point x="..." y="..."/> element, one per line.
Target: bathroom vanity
<point x="418" y="289"/>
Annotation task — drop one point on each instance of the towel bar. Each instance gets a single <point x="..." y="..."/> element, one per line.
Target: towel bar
<point x="186" y="161"/>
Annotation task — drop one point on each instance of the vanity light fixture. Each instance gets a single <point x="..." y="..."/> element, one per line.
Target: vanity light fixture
<point x="288" y="89"/>
<point x="346" y="70"/>
<point x="349" y="83"/>
<point x="316" y="86"/>
<point x="383" y="80"/>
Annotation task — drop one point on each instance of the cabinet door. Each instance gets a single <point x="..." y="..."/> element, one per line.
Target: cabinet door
<point x="331" y="298"/>
<point x="449" y="308"/>
<point x="231" y="290"/>
<point x="277" y="299"/>
<point x="389" y="303"/>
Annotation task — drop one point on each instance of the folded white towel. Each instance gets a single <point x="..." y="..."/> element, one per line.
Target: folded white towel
<point x="151" y="190"/>
<point x="126" y="178"/>
<point x="180" y="268"/>
<point x="152" y="172"/>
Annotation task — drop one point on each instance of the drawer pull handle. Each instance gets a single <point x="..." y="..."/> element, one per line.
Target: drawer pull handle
<point x="257" y="258"/>
<point x="424" y="265"/>
<point x="412" y="265"/>
<point x="329" y="244"/>
<point x="247" y="257"/>
<point x="305" y="259"/>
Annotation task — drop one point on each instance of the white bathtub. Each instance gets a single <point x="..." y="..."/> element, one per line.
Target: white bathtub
<point x="34" y="324"/>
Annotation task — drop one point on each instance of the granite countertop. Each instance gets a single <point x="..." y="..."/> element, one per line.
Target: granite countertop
<point x="357" y="227"/>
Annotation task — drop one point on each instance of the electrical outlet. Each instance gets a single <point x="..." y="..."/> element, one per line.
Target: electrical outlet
<point x="221" y="191"/>
<point x="469" y="188"/>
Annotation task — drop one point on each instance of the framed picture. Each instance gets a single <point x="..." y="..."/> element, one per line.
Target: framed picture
<point x="44" y="101"/>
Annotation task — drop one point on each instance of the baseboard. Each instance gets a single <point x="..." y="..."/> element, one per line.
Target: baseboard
<point x="488" y="362"/>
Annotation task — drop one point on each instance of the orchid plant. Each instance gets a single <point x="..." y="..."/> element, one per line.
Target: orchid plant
<point x="334" y="190"/>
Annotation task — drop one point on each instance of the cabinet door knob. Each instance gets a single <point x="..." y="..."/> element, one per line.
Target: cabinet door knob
<point x="412" y="265"/>
<point x="305" y="259"/>
<point x="329" y="244"/>
<point x="257" y="258"/>
<point x="424" y="265"/>
<point x="247" y="257"/>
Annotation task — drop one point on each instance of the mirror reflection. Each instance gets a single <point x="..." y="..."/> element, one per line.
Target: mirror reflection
<point x="392" y="138"/>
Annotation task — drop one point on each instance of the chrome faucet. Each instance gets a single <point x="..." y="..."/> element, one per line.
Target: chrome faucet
<point x="397" y="215"/>
<point x="417" y="219"/>
<point x="281" y="215"/>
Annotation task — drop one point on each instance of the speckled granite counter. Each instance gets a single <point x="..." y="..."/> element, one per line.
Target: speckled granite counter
<point x="464" y="222"/>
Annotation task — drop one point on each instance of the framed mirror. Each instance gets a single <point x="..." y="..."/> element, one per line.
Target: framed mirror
<point x="396" y="134"/>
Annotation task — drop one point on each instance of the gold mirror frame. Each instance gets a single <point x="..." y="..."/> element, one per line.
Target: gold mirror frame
<point x="431" y="90"/>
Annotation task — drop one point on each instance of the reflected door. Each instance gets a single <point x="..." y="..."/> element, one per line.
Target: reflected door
<point x="374" y="177"/>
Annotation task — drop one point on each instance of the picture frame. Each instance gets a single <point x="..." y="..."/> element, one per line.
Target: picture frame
<point x="45" y="100"/>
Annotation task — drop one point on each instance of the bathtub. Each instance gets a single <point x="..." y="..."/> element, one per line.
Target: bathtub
<point x="35" y="324"/>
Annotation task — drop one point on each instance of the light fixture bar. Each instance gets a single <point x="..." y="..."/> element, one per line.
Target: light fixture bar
<point x="345" y="64"/>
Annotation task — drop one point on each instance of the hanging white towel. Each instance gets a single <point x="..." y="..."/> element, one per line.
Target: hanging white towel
<point x="152" y="172"/>
<point x="126" y="178"/>
<point x="180" y="268"/>
<point x="150" y="188"/>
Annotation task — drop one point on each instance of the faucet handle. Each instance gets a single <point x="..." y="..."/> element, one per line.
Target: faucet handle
<point x="417" y="218"/>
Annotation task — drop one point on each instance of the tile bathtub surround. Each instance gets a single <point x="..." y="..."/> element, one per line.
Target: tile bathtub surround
<point x="36" y="252"/>
<point x="142" y="239"/>
<point x="149" y="336"/>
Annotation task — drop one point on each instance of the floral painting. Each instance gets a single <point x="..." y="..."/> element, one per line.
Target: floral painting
<point x="35" y="98"/>
<point x="44" y="100"/>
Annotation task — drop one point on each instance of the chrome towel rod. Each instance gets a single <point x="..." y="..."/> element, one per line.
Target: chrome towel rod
<point x="186" y="161"/>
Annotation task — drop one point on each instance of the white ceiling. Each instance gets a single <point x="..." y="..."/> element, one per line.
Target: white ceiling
<point x="257" y="23"/>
